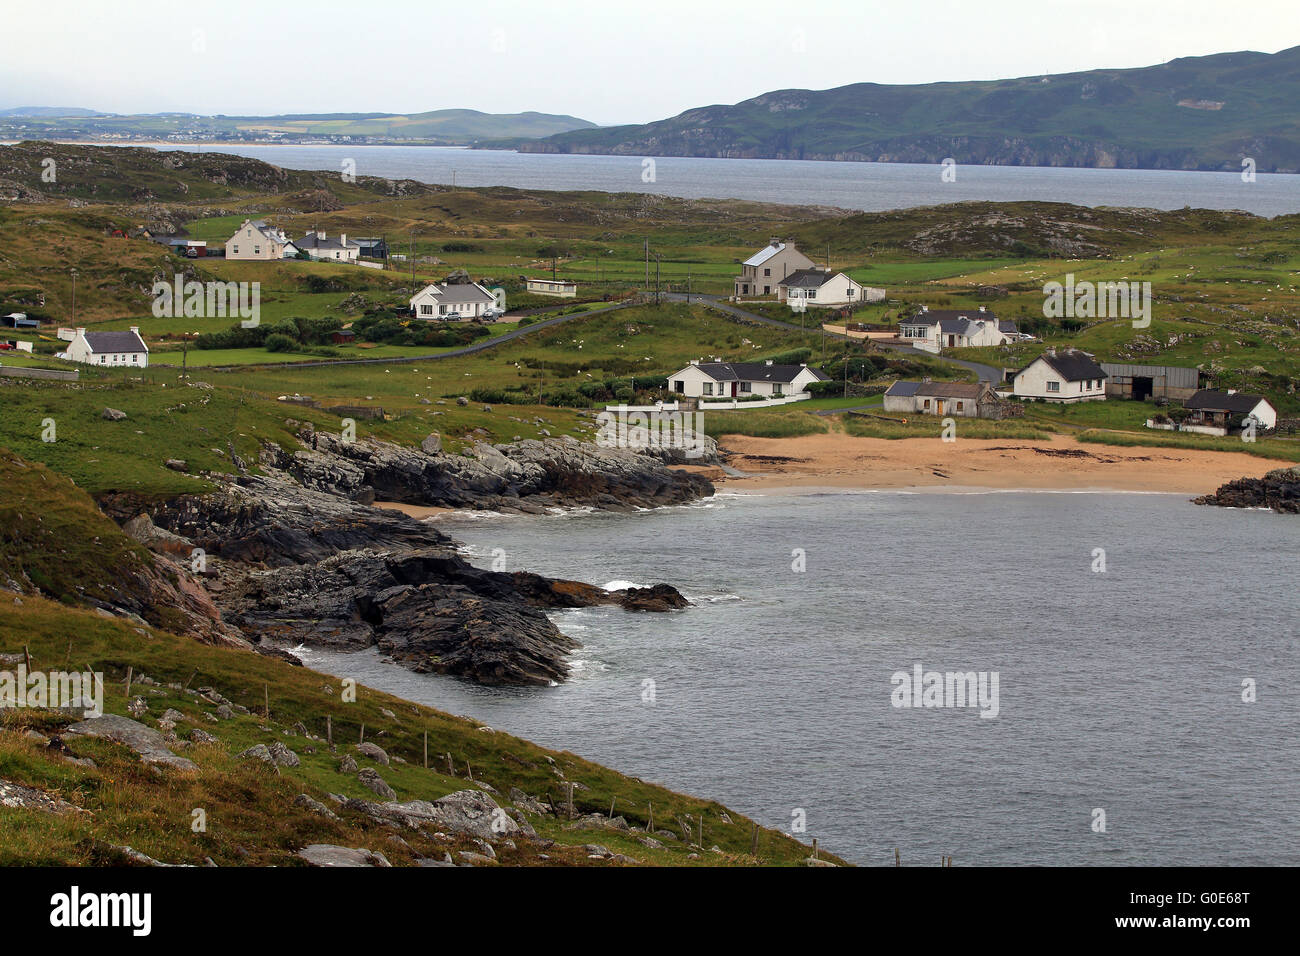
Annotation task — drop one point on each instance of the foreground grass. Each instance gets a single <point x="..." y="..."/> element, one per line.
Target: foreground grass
<point x="250" y="817"/>
<point x="1264" y="448"/>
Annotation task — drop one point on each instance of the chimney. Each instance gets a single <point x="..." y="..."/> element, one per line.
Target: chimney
<point x="981" y="308"/>
<point x="695" y="361"/>
<point x="925" y="308"/>
<point x="774" y="241"/>
<point x="320" y="236"/>
<point x="343" y="238"/>
<point x="769" y="361"/>
<point x="1232" y="391"/>
<point x="81" y="331"/>
<point x="135" y="329"/>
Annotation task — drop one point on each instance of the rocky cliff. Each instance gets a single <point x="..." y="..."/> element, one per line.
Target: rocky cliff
<point x="1279" y="490"/>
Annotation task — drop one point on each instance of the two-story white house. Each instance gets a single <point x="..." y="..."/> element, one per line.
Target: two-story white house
<point x="741" y="379"/>
<point x="109" y="349"/>
<point x="256" y="240"/>
<point x="1066" y="376"/>
<point x="817" y="288"/>
<point x="933" y="330"/>
<point x="452" y="302"/>
<point x="762" y="272"/>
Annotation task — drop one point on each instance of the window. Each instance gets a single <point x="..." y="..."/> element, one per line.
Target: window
<point x="767" y="290"/>
<point x="767" y="272"/>
<point x="851" y="291"/>
<point x="426" y="310"/>
<point x="134" y="358"/>
<point x="927" y="404"/>
<point x="708" y="388"/>
<point x="776" y="390"/>
<point x="746" y="387"/>
<point x="235" y="249"/>
<point x="1053" y="386"/>
<point x="811" y="293"/>
<point x="961" y="406"/>
<point x="257" y="250"/>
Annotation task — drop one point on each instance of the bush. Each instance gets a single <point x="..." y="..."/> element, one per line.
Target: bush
<point x="279" y="342"/>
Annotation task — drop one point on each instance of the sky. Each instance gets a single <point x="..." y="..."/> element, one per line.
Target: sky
<point x="607" y="61"/>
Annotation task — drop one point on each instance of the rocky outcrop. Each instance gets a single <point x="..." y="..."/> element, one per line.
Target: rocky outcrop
<point x="145" y="741"/>
<point x="1279" y="490"/>
<point x="300" y="557"/>
<point x="527" y="475"/>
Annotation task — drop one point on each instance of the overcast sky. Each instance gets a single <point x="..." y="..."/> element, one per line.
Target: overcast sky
<point x="608" y="61"/>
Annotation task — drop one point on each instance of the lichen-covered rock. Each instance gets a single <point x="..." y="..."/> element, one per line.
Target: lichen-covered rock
<point x="1279" y="489"/>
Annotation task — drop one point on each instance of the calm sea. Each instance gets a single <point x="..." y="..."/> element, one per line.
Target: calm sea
<point x="865" y="186"/>
<point x="1118" y="691"/>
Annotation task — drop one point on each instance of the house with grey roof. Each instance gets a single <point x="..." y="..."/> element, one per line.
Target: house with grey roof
<point x="933" y="330"/>
<point x="1213" y="408"/>
<point x="108" y="349"/>
<point x="318" y="245"/>
<point x="256" y="240"/>
<point x="1069" y="375"/>
<point x="959" y="399"/>
<point x="718" y="379"/>
<point x="820" y="288"/>
<point x="452" y="301"/>
<point x="762" y="272"/>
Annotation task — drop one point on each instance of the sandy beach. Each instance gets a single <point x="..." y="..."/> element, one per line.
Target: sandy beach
<point x="843" y="461"/>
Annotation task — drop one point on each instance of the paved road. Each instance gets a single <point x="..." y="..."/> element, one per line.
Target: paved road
<point x="986" y="373"/>
<point x="406" y="359"/>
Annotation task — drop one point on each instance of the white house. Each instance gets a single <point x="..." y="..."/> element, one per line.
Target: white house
<point x="255" y="240"/>
<point x="561" y="288"/>
<point x="112" y="349"/>
<point x="320" y="246"/>
<point x="818" y="288"/>
<point x="450" y="302"/>
<point x="740" y="379"/>
<point x="760" y="273"/>
<point x="1216" y="409"/>
<point x="1066" y="376"/>
<point x="932" y="330"/>
<point x="961" y="399"/>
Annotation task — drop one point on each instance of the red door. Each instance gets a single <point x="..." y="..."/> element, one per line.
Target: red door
<point x="733" y="389"/>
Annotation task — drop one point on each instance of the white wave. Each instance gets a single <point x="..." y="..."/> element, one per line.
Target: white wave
<point x="621" y="585"/>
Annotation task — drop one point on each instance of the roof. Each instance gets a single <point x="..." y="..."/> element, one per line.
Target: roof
<point x="101" y="342"/>
<point x="1176" y="376"/>
<point x="767" y="252"/>
<point x="1072" y="365"/>
<point x="936" y="316"/>
<point x="754" y="372"/>
<point x="261" y="228"/>
<point x="902" y="389"/>
<point x="951" y="389"/>
<point x="808" y="278"/>
<point x="463" y="292"/>
<point x="314" y="241"/>
<point x="1213" y="400"/>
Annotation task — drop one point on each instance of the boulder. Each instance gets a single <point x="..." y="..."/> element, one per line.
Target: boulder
<point x="373" y="751"/>
<point x="145" y="741"/>
<point x="326" y="854"/>
<point x="371" y="780"/>
<point x="113" y="415"/>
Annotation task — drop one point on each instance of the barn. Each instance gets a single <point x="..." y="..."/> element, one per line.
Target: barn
<point x="1150" y="381"/>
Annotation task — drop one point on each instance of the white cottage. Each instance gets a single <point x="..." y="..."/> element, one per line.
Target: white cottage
<point x="256" y="240"/>
<point x="1213" y="408"/>
<point x="110" y="349"/>
<point x="818" y="288"/>
<point x="933" y="330"/>
<point x="452" y="301"/>
<point x="1066" y="376"/>
<point x="320" y="246"/>
<point x="742" y="379"/>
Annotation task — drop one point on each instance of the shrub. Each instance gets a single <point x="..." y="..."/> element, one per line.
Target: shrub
<point x="279" y="342"/>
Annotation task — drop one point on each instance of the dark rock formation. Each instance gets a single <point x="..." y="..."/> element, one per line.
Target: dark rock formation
<point x="300" y="557"/>
<point x="1279" y="490"/>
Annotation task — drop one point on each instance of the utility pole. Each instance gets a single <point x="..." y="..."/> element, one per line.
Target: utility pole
<point x="657" y="258"/>
<point x="74" y="297"/>
<point x="647" y="265"/>
<point x="412" y="262"/>
<point x="688" y="286"/>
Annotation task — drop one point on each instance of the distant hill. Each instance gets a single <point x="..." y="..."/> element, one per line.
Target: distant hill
<point x="445" y="127"/>
<point x="47" y="111"/>
<point x="1191" y="113"/>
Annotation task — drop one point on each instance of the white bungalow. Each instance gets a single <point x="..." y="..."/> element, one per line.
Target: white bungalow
<point x="1066" y="376"/>
<point x="320" y="246"/>
<point x="450" y="302"/>
<point x="932" y="330"/>
<point x="818" y="288"/>
<point x="1215" y="409"/>
<point x="741" y="379"/>
<point x="110" y="349"/>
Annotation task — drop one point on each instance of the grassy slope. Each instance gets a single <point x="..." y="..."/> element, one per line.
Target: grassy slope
<point x="76" y="550"/>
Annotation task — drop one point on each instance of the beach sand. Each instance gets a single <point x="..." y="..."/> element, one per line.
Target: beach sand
<point x="415" y="511"/>
<point x="843" y="461"/>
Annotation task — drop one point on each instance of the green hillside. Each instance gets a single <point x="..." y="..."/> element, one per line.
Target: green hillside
<point x="1191" y="113"/>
